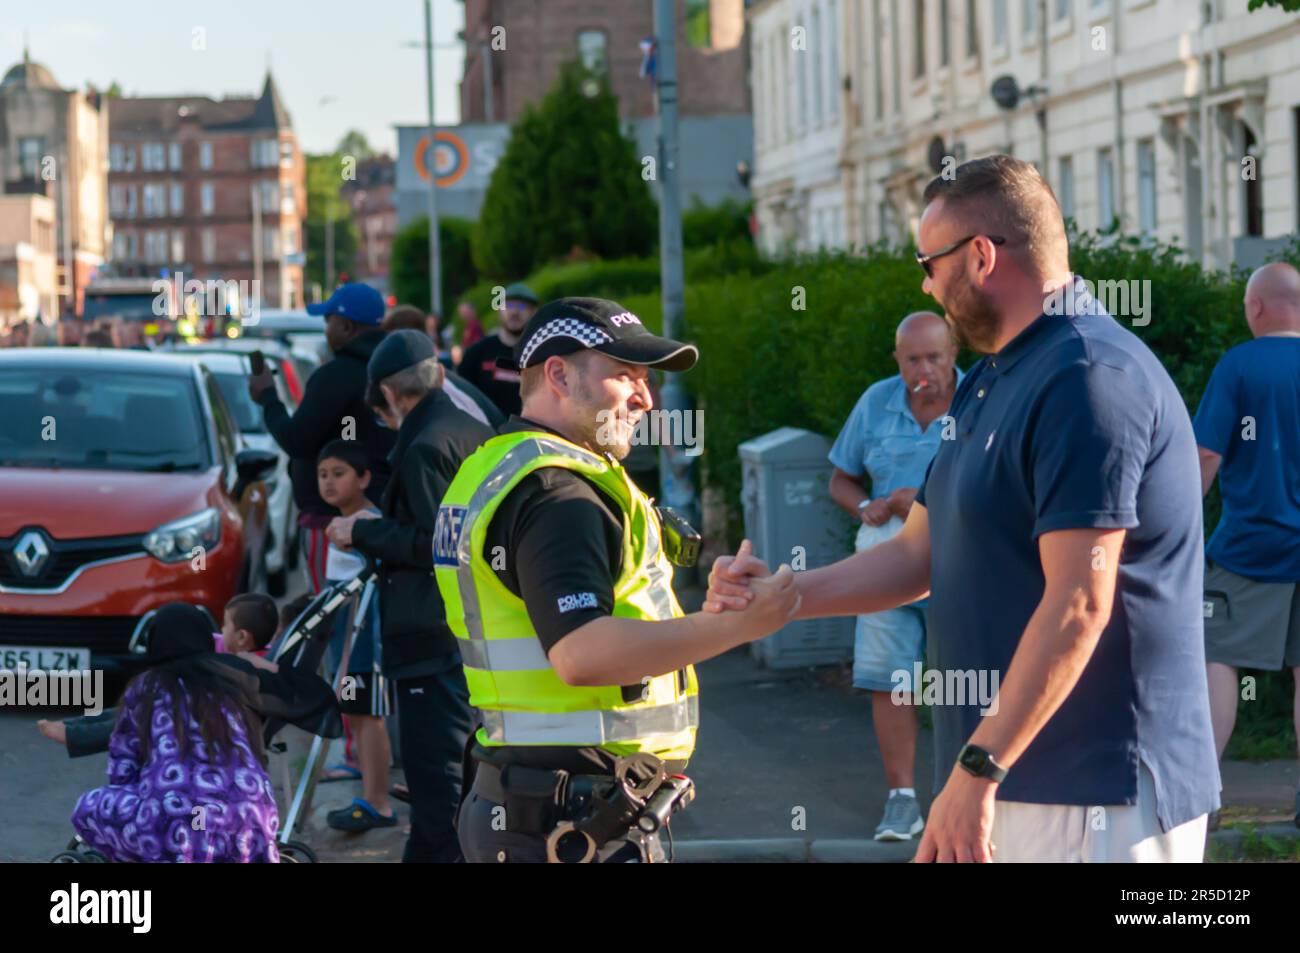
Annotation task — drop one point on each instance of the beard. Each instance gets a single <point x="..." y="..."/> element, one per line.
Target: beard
<point x="972" y="316"/>
<point x="602" y="428"/>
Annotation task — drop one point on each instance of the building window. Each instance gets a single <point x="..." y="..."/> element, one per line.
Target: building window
<point x="271" y="242"/>
<point x="878" y="29"/>
<point x="115" y="157"/>
<point x="205" y="155"/>
<point x="265" y="196"/>
<point x="698" y="32"/>
<point x="206" y="202"/>
<point x="286" y="154"/>
<point x="918" y="39"/>
<point x="1000" y="29"/>
<point x="263" y="153"/>
<point x="972" y="29"/>
<point x="155" y="247"/>
<point x="945" y="43"/>
<point x="1061" y="9"/>
<point x="130" y="201"/>
<point x="1146" y="173"/>
<point x="1029" y="18"/>
<point x="178" y="198"/>
<point x="128" y="153"/>
<point x="155" y="200"/>
<point x="174" y="156"/>
<point x="30" y="151"/>
<point x="1252" y="187"/>
<point x="1105" y="189"/>
<point x="1065" y="186"/>
<point x="119" y="245"/>
<point x="153" y="157"/>
<point x="812" y="61"/>
<point x="178" y="246"/>
<point x="591" y="50"/>
<point x="208" y="240"/>
<point x="116" y="200"/>
<point x="833" y="55"/>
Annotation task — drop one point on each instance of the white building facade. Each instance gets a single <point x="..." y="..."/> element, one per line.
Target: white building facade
<point x="1174" y="119"/>
<point x="799" y="133"/>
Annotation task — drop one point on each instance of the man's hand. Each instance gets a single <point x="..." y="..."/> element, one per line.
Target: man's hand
<point x="877" y="512"/>
<point x="960" y="822"/>
<point x="258" y="384"/>
<point x="729" y="579"/>
<point x="775" y="601"/>
<point x="339" y="531"/>
<point x="54" y="730"/>
<point x="901" y="500"/>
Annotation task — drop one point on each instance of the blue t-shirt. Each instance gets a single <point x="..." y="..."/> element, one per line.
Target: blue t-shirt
<point x="882" y="439"/>
<point x="1076" y="425"/>
<point x="1250" y="415"/>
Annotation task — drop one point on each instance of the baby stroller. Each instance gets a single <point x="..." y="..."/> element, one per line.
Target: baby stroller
<point x="302" y="645"/>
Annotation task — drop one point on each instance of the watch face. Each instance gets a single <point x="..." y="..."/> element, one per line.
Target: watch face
<point x="974" y="759"/>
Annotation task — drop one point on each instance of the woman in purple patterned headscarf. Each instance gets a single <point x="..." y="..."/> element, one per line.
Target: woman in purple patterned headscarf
<point x="186" y="771"/>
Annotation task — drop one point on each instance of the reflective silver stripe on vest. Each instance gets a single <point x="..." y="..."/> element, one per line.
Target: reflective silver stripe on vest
<point x="660" y="587"/>
<point x="506" y="467"/>
<point x="504" y="655"/>
<point x="590" y="727"/>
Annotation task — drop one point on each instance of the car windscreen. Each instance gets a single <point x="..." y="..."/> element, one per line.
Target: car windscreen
<point x="234" y="388"/>
<point x="91" y="419"/>
<point x="131" y="307"/>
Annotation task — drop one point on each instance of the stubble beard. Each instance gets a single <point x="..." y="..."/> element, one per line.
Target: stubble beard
<point x="973" y="318"/>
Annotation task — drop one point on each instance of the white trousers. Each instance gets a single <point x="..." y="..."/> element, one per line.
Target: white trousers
<point x="1115" y="834"/>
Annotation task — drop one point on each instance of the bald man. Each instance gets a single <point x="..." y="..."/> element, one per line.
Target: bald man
<point x="1248" y="434"/>
<point x="880" y="459"/>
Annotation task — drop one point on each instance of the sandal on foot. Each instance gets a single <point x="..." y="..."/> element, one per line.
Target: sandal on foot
<point x="359" y="816"/>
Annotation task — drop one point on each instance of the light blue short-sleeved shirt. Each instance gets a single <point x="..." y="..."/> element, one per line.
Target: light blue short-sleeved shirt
<point x="882" y="439"/>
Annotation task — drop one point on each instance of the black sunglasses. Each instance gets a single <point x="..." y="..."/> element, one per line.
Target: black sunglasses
<point x="924" y="260"/>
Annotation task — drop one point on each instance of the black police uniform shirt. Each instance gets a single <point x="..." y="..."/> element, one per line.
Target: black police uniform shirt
<point x="560" y="536"/>
<point x="500" y="384"/>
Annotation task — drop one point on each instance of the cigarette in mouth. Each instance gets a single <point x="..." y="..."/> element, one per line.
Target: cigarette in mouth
<point x="920" y="386"/>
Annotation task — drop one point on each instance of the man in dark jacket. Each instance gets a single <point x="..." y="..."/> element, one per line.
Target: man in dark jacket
<point x="333" y="406"/>
<point x="419" y="650"/>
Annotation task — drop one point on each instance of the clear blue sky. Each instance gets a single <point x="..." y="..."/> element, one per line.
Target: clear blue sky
<point x="350" y="52"/>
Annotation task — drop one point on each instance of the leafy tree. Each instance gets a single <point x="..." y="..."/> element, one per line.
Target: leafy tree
<point x="355" y="144"/>
<point x="325" y="202"/>
<point x="408" y="270"/>
<point x="569" y="180"/>
<point x="1291" y="6"/>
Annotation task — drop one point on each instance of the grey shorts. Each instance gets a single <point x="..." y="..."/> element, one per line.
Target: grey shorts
<point x="1251" y="624"/>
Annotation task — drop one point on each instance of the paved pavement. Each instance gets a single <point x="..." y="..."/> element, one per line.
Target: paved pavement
<point x="787" y="769"/>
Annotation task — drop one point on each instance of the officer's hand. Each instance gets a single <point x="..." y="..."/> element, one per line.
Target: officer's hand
<point x="729" y="579"/>
<point x="776" y="600"/>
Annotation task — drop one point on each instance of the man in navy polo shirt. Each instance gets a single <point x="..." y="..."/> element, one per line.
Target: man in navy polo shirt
<point x="1248" y="432"/>
<point x="1059" y="536"/>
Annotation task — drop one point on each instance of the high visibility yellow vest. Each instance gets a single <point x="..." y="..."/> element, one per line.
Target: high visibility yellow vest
<point x="521" y="698"/>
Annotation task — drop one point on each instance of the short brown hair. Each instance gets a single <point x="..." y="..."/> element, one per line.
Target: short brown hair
<point x="1005" y="196"/>
<point x="255" y="612"/>
<point x="404" y="317"/>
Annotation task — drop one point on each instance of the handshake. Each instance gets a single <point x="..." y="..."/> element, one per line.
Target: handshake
<point x="743" y="584"/>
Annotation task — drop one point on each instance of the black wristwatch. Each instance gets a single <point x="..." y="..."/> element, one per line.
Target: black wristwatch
<point x="981" y="764"/>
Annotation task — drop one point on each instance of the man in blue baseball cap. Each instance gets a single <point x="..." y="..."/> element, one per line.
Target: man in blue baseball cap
<point x="333" y="407"/>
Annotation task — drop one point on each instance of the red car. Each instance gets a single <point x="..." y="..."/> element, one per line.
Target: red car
<point x="123" y="486"/>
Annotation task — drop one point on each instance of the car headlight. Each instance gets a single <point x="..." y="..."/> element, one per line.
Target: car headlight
<point x="174" y="542"/>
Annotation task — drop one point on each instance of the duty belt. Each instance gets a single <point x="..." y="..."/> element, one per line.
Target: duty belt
<point x="577" y="813"/>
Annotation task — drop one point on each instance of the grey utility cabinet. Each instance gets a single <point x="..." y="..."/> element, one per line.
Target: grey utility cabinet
<point x="788" y="514"/>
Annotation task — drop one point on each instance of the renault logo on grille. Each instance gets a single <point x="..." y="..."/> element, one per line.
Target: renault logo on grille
<point x="31" y="552"/>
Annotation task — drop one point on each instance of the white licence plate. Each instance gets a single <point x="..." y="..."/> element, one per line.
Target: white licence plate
<point x="14" y="657"/>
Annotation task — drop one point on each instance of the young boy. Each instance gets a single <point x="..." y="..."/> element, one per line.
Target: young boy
<point x="343" y="474"/>
<point x="249" y="624"/>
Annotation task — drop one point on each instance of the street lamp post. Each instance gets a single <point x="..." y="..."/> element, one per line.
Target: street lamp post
<point x="431" y="163"/>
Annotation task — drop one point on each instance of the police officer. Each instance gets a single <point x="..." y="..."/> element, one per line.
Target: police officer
<point x="552" y="565"/>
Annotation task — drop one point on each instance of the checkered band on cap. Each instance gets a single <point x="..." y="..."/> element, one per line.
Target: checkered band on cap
<point x="582" y="332"/>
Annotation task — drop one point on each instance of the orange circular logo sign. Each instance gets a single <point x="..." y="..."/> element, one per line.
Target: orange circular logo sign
<point x="451" y="158"/>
